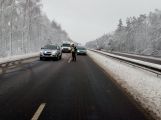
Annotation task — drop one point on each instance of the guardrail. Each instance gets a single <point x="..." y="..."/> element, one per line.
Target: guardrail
<point x="151" y="66"/>
<point x="134" y="54"/>
<point x="11" y="62"/>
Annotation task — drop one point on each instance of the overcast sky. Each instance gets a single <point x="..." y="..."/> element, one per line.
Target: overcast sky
<point x="86" y="20"/>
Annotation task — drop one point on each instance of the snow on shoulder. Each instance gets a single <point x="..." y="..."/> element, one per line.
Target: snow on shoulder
<point x="17" y="57"/>
<point x="143" y="85"/>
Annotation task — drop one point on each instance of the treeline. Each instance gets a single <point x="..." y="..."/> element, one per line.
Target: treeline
<point x="140" y="35"/>
<point x="24" y="28"/>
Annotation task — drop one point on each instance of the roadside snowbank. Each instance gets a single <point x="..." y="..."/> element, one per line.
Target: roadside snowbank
<point x="144" y="86"/>
<point x="141" y="56"/>
<point x="17" y="57"/>
<point x="152" y="65"/>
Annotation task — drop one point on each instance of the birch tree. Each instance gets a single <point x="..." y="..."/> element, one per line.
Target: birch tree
<point x="24" y="28"/>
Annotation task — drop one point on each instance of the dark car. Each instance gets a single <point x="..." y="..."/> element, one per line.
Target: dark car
<point x="81" y="50"/>
<point x="50" y="51"/>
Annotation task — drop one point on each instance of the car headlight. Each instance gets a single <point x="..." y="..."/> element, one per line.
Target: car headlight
<point x="41" y="52"/>
<point x="54" y="53"/>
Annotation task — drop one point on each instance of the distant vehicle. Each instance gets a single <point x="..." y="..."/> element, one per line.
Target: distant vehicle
<point x="66" y="47"/>
<point x="81" y="50"/>
<point x="51" y="51"/>
<point x="99" y="48"/>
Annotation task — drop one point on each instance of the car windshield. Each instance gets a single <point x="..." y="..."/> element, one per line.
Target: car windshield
<point x="53" y="47"/>
<point x="66" y="45"/>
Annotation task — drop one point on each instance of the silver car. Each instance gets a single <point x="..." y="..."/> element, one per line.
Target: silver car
<point x="50" y="51"/>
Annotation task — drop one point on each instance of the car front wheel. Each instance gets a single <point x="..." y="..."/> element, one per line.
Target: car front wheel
<point x="41" y="58"/>
<point x="60" y="57"/>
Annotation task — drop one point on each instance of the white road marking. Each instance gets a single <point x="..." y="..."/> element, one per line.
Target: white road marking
<point x="38" y="112"/>
<point x="70" y="59"/>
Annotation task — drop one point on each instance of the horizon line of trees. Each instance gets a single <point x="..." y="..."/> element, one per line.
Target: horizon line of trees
<point x="24" y="28"/>
<point x="140" y="35"/>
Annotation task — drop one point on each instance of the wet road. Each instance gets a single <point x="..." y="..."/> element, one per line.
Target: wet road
<point x="63" y="90"/>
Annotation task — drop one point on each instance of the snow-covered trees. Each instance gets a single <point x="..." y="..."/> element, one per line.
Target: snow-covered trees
<point x="141" y="35"/>
<point x="24" y="28"/>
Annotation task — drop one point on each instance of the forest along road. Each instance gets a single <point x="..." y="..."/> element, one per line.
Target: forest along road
<point x="63" y="90"/>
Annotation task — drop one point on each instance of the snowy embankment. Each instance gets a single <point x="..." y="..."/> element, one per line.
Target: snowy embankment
<point x="140" y="56"/>
<point x="143" y="85"/>
<point x="140" y="62"/>
<point x="18" y="57"/>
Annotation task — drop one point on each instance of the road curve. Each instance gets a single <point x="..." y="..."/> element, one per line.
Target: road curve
<point x="70" y="91"/>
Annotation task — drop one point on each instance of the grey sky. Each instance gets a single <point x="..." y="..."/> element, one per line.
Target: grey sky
<point x="86" y="20"/>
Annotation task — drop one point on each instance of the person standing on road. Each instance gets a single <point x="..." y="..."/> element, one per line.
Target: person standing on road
<point x="73" y="50"/>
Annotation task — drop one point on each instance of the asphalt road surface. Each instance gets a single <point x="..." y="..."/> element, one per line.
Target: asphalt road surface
<point x="63" y="90"/>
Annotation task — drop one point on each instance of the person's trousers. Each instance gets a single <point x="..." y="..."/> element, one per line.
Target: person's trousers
<point x="73" y="56"/>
